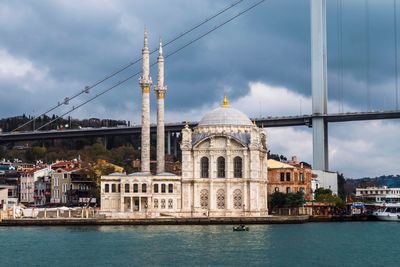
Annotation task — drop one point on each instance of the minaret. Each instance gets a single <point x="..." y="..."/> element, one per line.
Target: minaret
<point x="145" y="83"/>
<point x="160" y="93"/>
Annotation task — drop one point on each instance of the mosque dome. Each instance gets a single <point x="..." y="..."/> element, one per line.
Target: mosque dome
<point x="225" y="115"/>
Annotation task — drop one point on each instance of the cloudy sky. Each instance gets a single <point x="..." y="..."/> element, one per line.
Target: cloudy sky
<point x="52" y="49"/>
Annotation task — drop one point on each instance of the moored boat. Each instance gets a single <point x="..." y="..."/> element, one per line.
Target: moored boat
<point x="390" y="212"/>
<point x="240" y="228"/>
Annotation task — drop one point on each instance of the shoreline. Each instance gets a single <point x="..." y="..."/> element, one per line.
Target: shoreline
<point x="183" y="221"/>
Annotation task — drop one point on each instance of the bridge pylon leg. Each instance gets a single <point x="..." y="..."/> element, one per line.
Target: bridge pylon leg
<point x="320" y="144"/>
<point x="319" y="84"/>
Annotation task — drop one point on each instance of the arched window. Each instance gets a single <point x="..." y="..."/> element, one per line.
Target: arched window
<point x="135" y="188"/>
<point x="155" y="188"/>
<point x="221" y="199"/>
<point x="126" y="188"/>
<point x="221" y="167"/>
<point x="204" y="166"/>
<point x="107" y="188"/>
<point x="144" y="188"/>
<point x="170" y="188"/>
<point x="237" y="167"/>
<point x="204" y="199"/>
<point x="163" y="189"/>
<point x="237" y="199"/>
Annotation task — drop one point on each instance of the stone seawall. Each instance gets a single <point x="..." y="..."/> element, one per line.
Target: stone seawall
<point x="157" y="221"/>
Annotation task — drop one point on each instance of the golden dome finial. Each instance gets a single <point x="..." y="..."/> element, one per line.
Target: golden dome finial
<point x="225" y="103"/>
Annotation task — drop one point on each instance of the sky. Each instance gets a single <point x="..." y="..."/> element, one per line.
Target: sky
<point x="53" y="49"/>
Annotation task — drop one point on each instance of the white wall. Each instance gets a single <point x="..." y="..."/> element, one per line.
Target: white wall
<point x="327" y="180"/>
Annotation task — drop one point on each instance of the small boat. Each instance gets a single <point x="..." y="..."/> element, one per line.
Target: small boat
<point x="241" y="228"/>
<point x="390" y="212"/>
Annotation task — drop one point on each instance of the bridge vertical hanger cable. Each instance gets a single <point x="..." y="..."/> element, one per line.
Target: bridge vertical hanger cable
<point x="87" y="88"/>
<point x="168" y="55"/>
<point x="395" y="54"/>
<point x="367" y="54"/>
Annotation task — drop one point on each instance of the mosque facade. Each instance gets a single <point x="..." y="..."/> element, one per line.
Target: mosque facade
<point x="224" y="165"/>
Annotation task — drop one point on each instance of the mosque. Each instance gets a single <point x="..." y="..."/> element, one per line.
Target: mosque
<point x="224" y="165"/>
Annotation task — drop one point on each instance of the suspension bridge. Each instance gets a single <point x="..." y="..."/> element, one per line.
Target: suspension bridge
<point x="318" y="120"/>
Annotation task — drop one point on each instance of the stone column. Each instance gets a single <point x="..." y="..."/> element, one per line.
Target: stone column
<point x="131" y="204"/>
<point x="145" y="83"/>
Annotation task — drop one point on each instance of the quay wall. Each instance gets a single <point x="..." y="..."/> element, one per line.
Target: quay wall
<point x="157" y="221"/>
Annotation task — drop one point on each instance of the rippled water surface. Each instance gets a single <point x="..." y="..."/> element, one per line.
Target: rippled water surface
<point x="314" y="244"/>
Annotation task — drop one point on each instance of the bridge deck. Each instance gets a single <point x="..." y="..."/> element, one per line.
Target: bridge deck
<point x="282" y="121"/>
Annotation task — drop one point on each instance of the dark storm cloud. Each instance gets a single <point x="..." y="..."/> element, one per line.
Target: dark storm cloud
<point x="77" y="43"/>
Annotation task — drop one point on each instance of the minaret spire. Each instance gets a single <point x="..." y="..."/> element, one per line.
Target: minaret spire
<point x="160" y="90"/>
<point x="145" y="83"/>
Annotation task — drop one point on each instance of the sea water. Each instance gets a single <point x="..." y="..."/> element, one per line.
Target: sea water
<point x="311" y="244"/>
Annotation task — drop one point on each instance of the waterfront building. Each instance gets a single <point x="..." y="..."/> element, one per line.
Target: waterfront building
<point x="27" y="182"/>
<point x="324" y="179"/>
<point x="379" y="194"/>
<point x="42" y="191"/>
<point x="289" y="177"/>
<point x="78" y="191"/>
<point x="61" y="180"/>
<point x="224" y="165"/>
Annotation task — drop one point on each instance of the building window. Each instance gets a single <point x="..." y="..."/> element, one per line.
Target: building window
<point x="156" y="203"/>
<point x="65" y="176"/>
<point x="119" y="188"/>
<point x="237" y="167"/>
<point x="170" y="188"/>
<point x="170" y="203"/>
<point x="237" y="199"/>
<point x="282" y="176"/>
<point x="287" y="190"/>
<point x="113" y="188"/>
<point x="126" y="188"/>
<point x="221" y="167"/>
<point x="301" y="177"/>
<point x="204" y="199"/>
<point x="204" y="166"/>
<point x="65" y="188"/>
<point x="163" y="203"/>
<point x="144" y="188"/>
<point x="221" y="199"/>
<point x="155" y="188"/>
<point x="162" y="188"/>
<point x="288" y="177"/>
<point x="276" y="189"/>
<point x="106" y="188"/>
<point x="135" y="188"/>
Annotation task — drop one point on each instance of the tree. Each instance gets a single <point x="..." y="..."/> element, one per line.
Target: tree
<point x="294" y="200"/>
<point x="326" y="196"/>
<point x="277" y="200"/>
<point x="290" y="200"/>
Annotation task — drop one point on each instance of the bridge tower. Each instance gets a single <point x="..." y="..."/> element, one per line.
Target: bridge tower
<point x="145" y="83"/>
<point x="319" y="84"/>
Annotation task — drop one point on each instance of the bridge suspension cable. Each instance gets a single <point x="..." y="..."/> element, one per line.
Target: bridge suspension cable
<point x="121" y="69"/>
<point x="154" y="63"/>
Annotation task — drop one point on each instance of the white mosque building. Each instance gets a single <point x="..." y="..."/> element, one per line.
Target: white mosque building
<point x="224" y="165"/>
